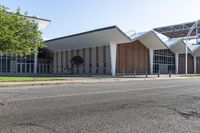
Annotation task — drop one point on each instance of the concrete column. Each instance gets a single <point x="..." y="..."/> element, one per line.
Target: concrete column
<point x="35" y="62"/>
<point x="151" y="60"/>
<point x="195" y="64"/>
<point x="113" y="55"/>
<point x="177" y="62"/>
<point x="94" y="66"/>
<point x="100" y="60"/>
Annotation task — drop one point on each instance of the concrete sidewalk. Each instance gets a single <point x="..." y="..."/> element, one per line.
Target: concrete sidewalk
<point x="87" y="80"/>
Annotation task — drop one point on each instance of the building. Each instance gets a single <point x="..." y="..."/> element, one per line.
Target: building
<point x="26" y="65"/>
<point x="109" y="51"/>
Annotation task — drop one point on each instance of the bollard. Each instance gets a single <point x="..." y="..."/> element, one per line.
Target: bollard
<point x="146" y="74"/>
<point x="170" y="74"/>
<point x="158" y="74"/>
<point x="134" y="74"/>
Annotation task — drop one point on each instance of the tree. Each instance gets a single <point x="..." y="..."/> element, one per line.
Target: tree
<point x="18" y="35"/>
<point x="76" y="60"/>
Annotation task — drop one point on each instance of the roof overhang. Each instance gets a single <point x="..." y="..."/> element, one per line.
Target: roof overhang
<point x="195" y="50"/>
<point x="42" y="23"/>
<point x="98" y="37"/>
<point x="177" y="46"/>
<point x="150" y="40"/>
<point x="178" y="30"/>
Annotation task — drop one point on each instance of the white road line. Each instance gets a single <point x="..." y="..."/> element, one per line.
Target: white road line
<point x="93" y="93"/>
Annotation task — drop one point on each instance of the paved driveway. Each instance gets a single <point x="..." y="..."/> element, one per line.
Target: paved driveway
<point x="125" y="107"/>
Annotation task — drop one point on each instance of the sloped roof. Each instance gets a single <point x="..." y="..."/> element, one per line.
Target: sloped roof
<point x="87" y="39"/>
<point x="177" y="46"/>
<point x="195" y="49"/>
<point x="150" y="40"/>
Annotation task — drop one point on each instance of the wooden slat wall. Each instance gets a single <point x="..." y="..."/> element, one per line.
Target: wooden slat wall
<point x="132" y="57"/>
<point x="182" y="64"/>
<point x="198" y="65"/>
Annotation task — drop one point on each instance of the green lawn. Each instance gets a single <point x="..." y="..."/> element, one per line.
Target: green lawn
<point x="191" y="76"/>
<point x="27" y="79"/>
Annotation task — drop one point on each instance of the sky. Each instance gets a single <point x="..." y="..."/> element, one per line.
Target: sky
<point x="76" y="16"/>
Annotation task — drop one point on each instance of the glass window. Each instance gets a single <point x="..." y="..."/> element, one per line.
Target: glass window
<point x="164" y="57"/>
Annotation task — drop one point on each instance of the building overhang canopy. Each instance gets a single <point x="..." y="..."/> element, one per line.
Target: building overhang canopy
<point x="150" y="40"/>
<point x="98" y="37"/>
<point x="177" y="46"/>
<point x="195" y="49"/>
<point x="178" y="30"/>
<point x="42" y="23"/>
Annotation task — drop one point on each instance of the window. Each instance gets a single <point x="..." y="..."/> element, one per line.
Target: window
<point x="164" y="58"/>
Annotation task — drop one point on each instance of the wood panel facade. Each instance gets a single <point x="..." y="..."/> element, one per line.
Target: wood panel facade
<point x="182" y="64"/>
<point x="198" y="65"/>
<point x="132" y="57"/>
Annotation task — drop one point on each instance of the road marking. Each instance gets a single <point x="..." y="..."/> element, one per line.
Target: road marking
<point x="93" y="93"/>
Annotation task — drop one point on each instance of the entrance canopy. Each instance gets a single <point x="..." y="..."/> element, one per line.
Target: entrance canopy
<point x="177" y="46"/>
<point x="150" y="40"/>
<point x="177" y="30"/>
<point x="98" y="37"/>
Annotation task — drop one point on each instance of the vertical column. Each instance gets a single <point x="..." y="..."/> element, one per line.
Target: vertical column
<point x="81" y="65"/>
<point x="100" y="60"/>
<point x="69" y="58"/>
<point x="186" y="60"/>
<point x="35" y="62"/>
<point x="59" y="62"/>
<point x="54" y="62"/>
<point x="195" y="64"/>
<point x="113" y="55"/>
<point x="177" y="62"/>
<point x="87" y="63"/>
<point x="64" y="59"/>
<point x="151" y="60"/>
<point x="108" y="62"/>
<point x="94" y="63"/>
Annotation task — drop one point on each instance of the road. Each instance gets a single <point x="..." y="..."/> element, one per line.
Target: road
<point x="170" y="106"/>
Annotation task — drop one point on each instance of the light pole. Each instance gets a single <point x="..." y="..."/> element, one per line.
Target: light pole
<point x="195" y="25"/>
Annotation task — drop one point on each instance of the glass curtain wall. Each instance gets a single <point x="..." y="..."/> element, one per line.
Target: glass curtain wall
<point x="164" y="61"/>
<point x="12" y="64"/>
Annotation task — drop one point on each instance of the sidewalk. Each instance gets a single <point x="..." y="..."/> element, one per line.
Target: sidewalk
<point x="87" y="80"/>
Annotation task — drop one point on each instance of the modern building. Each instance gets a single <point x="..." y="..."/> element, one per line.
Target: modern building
<point x="109" y="51"/>
<point x="26" y="65"/>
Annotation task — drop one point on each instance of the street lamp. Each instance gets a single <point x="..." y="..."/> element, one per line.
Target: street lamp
<point x="195" y="25"/>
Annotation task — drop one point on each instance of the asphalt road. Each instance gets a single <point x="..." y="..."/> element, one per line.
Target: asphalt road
<point x="170" y="106"/>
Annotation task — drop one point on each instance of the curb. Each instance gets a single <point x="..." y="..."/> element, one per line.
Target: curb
<point x="88" y="81"/>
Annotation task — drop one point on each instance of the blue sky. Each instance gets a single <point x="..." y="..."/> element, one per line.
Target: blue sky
<point x="74" y="16"/>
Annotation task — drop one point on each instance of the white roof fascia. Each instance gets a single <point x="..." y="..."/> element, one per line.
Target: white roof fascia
<point x="150" y="40"/>
<point x="177" y="46"/>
